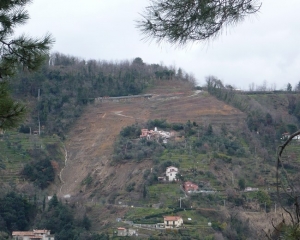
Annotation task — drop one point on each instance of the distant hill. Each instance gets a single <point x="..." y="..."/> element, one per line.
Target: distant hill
<point x="223" y="141"/>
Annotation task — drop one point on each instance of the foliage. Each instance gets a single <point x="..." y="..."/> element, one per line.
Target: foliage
<point x="137" y="149"/>
<point x="67" y="84"/>
<point x="238" y="228"/>
<point x="22" y="51"/>
<point x="87" y="180"/>
<point x="24" y="128"/>
<point x="287" y="187"/>
<point x="133" y="131"/>
<point x="16" y="213"/>
<point x="40" y="172"/>
<point x="11" y="112"/>
<point x="130" y="186"/>
<point x="127" y="149"/>
<point x="159" y="123"/>
<point x="264" y="198"/>
<point x="60" y="219"/>
<point x="181" y="21"/>
<point x="242" y="184"/>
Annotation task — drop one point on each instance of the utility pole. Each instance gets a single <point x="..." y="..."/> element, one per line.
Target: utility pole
<point x="39" y="91"/>
<point x="224" y="202"/>
<point x="180" y="202"/>
<point x="265" y="207"/>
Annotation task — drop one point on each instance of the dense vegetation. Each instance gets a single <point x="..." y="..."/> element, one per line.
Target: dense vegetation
<point x="200" y="139"/>
<point x="16" y="213"/>
<point x="215" y="157"/>
<point x="65" y="84"/>
<point x="40" y="172"/>
<point x="196" y="142"/>
<point x="204" y="152"/>
<point x="22" y="213"/>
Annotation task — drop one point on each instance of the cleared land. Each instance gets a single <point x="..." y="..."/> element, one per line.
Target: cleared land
<point x="90" y="142"/>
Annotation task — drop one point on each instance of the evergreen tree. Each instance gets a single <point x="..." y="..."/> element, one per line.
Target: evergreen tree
<point x="180" y="21"/>
<point x="289" y="87"/>
<point x="22" y="51"/>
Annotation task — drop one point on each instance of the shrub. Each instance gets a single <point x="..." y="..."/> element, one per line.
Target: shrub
<point x="40" y="172"/>
<point x="130" y="187"/>
<point x="133" y="131"/>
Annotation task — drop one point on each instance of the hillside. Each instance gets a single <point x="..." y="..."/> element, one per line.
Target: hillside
<point x="90" y="141"/>
<point x="223" y="141"/>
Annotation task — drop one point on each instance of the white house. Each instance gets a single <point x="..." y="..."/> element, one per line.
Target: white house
<point x="30" y="235"/>
<point x="171" y="173"/>
<point x="250" y="189"/>
<point x="173" y="221"/>
<point x="127" y="232"/>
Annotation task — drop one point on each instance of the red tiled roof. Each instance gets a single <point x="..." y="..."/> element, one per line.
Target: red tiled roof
<point x="44" y="231"/>
<point x="190" y="186"/>
<point x="23" y="233"/>
<point x="171" y="218"/>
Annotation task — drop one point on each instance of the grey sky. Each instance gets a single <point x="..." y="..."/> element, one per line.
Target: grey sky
<point x="262" y="48"/>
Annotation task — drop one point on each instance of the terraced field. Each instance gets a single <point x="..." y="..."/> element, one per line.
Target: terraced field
<point x="90" y="142"/>
<point x="14" y="149"/>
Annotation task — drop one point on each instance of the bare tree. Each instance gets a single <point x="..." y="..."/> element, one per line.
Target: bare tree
<point x="288" y="188"/>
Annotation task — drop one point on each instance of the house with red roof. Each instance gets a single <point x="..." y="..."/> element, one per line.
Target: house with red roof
<point x="190" y="187"/>
<point x="173" y="221"/>
<point x="32" y="235"/>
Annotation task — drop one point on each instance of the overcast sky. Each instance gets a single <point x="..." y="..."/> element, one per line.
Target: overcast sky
<point x="265" y="47"/>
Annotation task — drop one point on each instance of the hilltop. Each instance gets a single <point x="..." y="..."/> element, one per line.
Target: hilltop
<point x="223" y="141"/>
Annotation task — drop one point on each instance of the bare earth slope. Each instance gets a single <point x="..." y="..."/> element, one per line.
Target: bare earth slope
<point x="90" y="141"/>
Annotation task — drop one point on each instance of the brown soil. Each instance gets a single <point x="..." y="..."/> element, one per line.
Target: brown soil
<point x="90" y="142"/>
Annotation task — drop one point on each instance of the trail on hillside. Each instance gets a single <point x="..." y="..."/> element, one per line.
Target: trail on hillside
<point x="60" y="173"/>
<point x="91" y="139"/>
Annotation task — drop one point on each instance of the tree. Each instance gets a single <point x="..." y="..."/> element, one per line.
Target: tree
<point x="25" y="52"/>
<point x="297" y="88"/>
<point x="287" y="185"/>
<point x="289" y="87"/>
<point x="180" y="21"/>
<point x="242" y="184"/>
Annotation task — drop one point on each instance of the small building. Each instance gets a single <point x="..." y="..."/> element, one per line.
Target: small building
<point x="32" y="235"/>
<point x="171" y="173"/>
<point x="190" y="187"/>
<point x="155" y="134"/>
<point x="122" y="231"/>
<point x="132" y="232"/>
<point x="144" y="132"/>
<point x="250" y="189"/>
<point x="285" y="136"/>
<point x="127" y="232"/>
<point x="161" y="179"/>
<point x="173" y="221"/>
